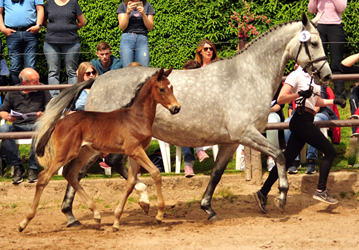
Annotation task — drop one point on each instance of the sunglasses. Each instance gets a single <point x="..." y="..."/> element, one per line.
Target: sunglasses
<point x="208" y="48"/>
<point x="90" y="73"/>
<point x="17" y="1"/>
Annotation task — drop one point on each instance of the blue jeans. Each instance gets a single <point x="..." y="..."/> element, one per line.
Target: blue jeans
<point x="9" y="148"/>
<point x="188" y="154"/>
<point x="312" y="153"/>
<point x="53" y="53"/>
<point x="134" y="46"/>
<point x="22" y="46"/>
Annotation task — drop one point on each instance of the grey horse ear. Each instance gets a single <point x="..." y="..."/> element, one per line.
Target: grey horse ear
<point x="168" y="72"/>
<point x="317" y="18"/>
<point x="304" y="19"/>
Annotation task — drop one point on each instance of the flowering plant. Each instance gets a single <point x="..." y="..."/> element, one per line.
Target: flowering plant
<point x="244" y="23"/>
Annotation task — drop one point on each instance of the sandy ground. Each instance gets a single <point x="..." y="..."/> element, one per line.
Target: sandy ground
<point x="306" y="223"/>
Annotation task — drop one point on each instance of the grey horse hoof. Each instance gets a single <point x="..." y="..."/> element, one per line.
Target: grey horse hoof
<point x="145" y="206"/>
<point x="214" y="218"/>
<point x="75" y="223"/>
<point x="280" y="204"/>
<point x="97" y="220"/>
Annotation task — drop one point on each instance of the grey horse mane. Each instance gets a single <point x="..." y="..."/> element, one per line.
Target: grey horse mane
<point x="259" y="38"/>
<point x="137" y="90"/>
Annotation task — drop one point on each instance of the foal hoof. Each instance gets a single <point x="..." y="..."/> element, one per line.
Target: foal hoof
<point x="279" y="203"/>
<point x="74" y="223"/>
<point x="97" y="220"/>
<point x="159" y="219"/>
<point x="214" y="218"/>
<point x="21" y="229"/>
<point x="115" y="229"/>
<point x="145" y="206"/>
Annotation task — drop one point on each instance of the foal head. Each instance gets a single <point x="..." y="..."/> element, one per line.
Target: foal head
<point x="162" y="91"/>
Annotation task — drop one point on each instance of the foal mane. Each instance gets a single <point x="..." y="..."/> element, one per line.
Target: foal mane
<point x="137" y="90"/>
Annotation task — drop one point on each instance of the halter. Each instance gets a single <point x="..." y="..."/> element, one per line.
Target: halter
<point x="315" y="71"/>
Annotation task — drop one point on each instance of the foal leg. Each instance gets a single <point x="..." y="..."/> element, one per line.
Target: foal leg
<point x="70" y="174"/>
<point x="66" y="207"/>
<point x="139" y="154"/>
<point x="118" y="162"/>
<point x="131" y="181"/>
<point x="43" y="180"/>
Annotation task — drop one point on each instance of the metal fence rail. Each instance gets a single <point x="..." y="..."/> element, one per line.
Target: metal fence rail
<point x="270" y="126"/>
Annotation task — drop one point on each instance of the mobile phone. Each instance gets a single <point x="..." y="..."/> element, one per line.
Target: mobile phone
<point x="138" y="3"/>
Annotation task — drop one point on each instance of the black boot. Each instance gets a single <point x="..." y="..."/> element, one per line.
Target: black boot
<point x="19" y="172"/>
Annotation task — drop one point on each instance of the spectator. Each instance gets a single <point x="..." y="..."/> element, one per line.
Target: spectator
<point x="322" y="114"/>
<point x="298" y="87"/>
<point x="206" y="53"/>
<point x="62" y="18"/>
<point x="106" y="61"/>
<point x="349" y="67"/>
<point x="85" y="72"/>
<point x="135" y="19"/>
<point x="331" y="31"/>
<point x="23" y="102"/>
<point x="20" y="22"/>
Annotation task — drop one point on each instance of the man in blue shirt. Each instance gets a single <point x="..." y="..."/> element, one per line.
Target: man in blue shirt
<point x="106" y="61"/>
<point x="20" y="22"/>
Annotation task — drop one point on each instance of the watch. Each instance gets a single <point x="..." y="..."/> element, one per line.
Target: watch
<point x="39" y="25"/>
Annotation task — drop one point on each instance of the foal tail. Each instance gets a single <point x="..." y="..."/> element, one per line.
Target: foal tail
<point x="54" y="111"/>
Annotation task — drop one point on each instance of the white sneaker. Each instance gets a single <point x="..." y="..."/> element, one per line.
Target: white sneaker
<point x="270" y="163"/>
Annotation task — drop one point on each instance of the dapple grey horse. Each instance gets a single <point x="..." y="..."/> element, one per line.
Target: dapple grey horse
<point x="225" y="103"/>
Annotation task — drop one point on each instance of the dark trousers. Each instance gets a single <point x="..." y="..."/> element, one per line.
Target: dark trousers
<point x="333" y="37"/>
<point x="304" y="131"/>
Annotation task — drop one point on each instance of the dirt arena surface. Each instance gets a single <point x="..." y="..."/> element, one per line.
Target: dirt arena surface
<point x="306" y="223"/>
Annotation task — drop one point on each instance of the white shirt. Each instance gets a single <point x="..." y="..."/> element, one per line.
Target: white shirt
<point x="300" y="80"/>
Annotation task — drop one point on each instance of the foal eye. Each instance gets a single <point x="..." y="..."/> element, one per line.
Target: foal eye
<point x="162" y="90"/>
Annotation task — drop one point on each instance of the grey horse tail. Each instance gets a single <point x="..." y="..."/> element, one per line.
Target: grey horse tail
<point x="53" y="113"/>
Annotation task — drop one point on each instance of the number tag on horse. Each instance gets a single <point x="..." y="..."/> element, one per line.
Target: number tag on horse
<point x="304" y="36"/>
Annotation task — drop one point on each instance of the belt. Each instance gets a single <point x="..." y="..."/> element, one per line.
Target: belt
<point x="20" y="28"/>
<point x="311" y="111"/>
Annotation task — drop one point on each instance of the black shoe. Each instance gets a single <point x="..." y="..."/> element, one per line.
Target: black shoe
<point x="32" y="177"/>
<point x="311" y="167"/>
<point x="294" y="168"/>
<point x="261" y="201"/>
<point x="19" y="172"/>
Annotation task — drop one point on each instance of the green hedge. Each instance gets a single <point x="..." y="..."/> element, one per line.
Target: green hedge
<point x="181" y="24"/>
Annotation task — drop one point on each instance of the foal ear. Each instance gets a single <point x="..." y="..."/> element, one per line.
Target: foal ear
<point x="160" y="74"/>
<point x="168" y="72"/>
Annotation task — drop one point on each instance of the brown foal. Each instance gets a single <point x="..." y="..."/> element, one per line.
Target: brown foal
<point x="77" y="136"/>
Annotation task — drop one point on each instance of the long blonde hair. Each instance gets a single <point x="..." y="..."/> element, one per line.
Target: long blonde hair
<point x="82" y="69"/>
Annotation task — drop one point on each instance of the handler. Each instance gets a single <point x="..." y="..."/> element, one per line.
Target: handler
<point x="298" y="86"/>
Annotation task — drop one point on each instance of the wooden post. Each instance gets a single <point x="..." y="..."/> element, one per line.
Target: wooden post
<point x="248" y="163"/>
<point x="256" y="167"/>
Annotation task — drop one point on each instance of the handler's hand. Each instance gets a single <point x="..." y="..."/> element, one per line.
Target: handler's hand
<point x="340" y="102"/>
<point x="306" y="93"/>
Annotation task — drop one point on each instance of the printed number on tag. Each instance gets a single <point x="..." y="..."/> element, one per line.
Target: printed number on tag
<point x="304" y="36"/>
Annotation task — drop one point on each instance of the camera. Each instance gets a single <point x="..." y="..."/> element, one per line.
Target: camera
<point x="138" y="3"/>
